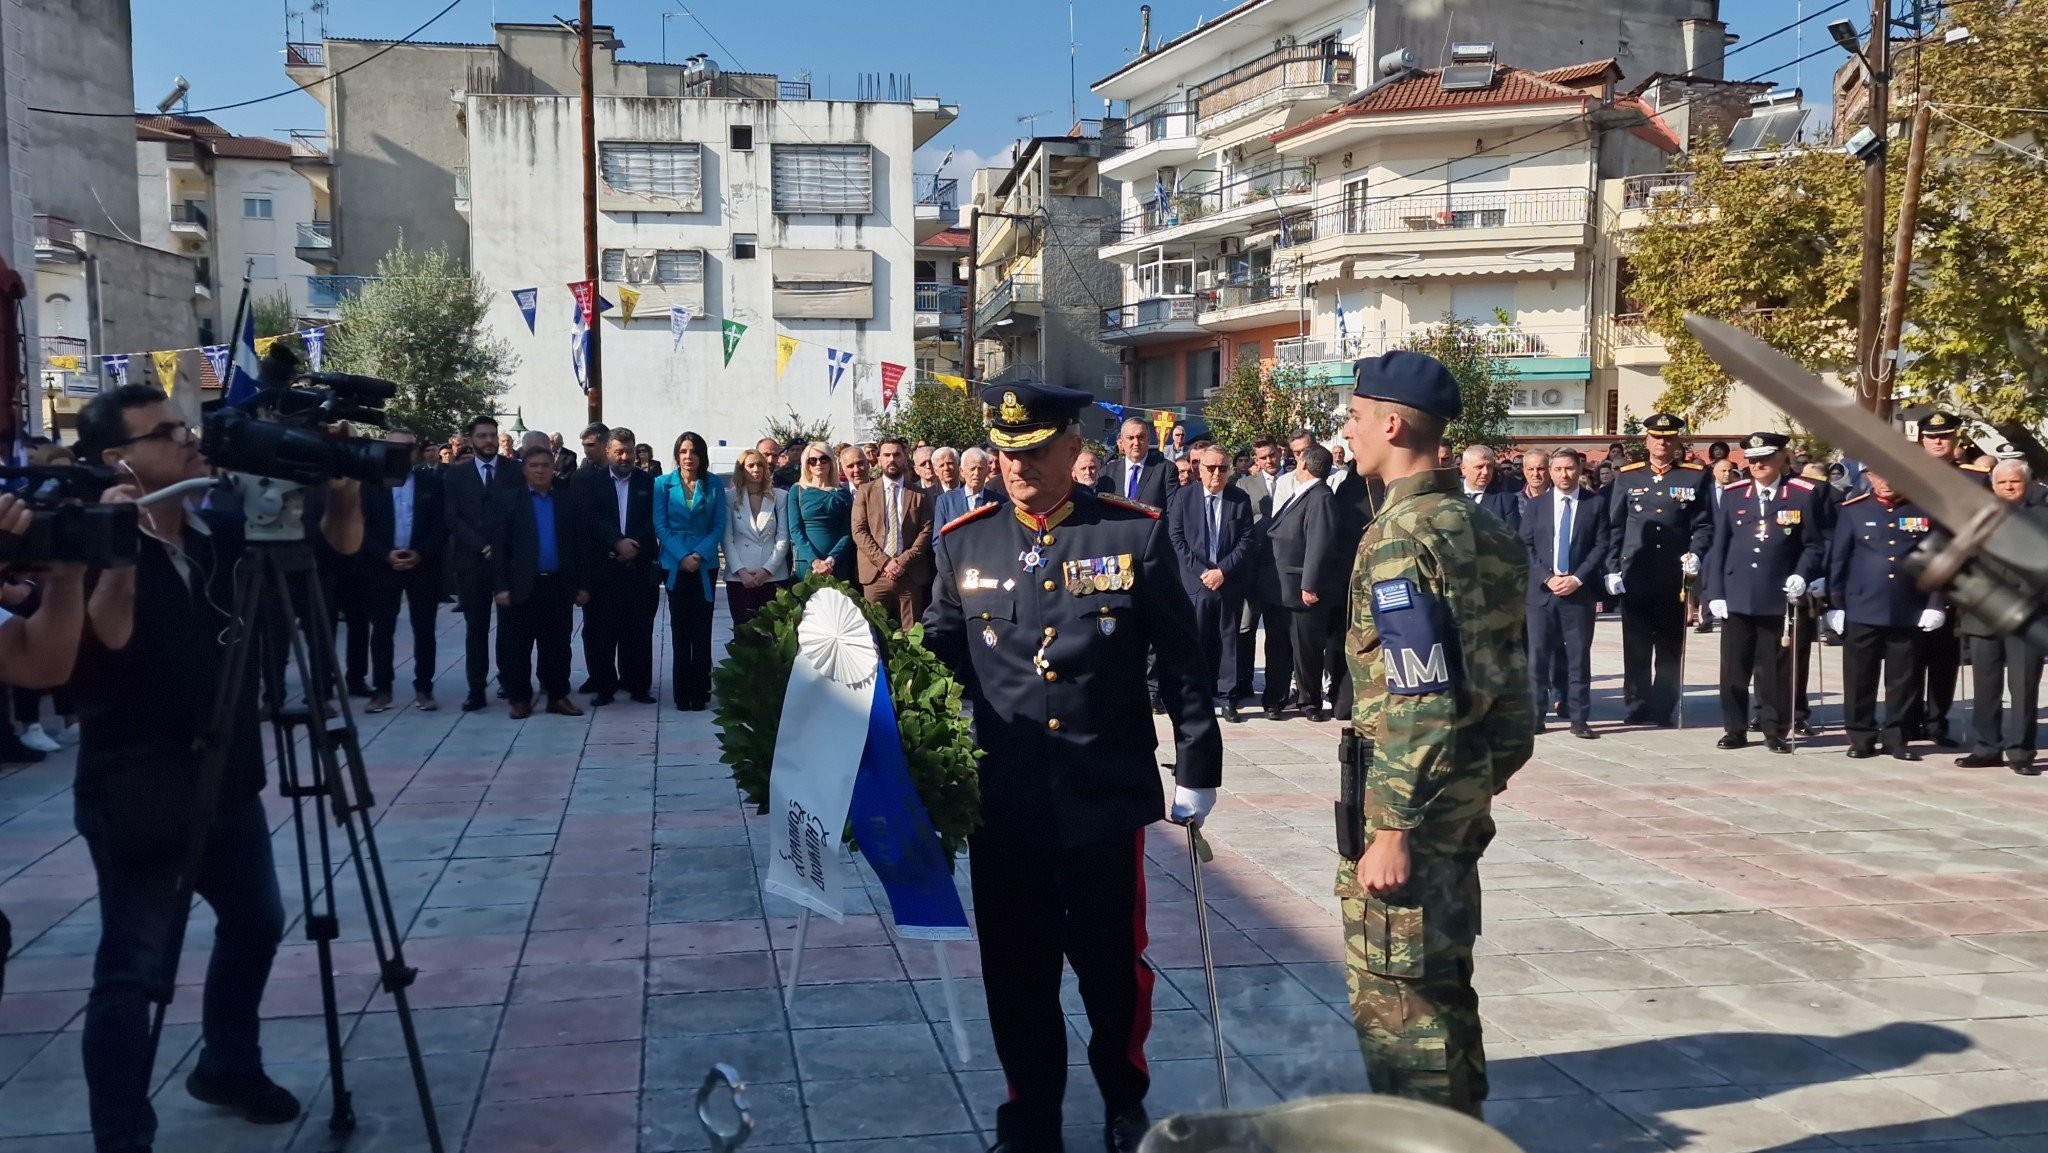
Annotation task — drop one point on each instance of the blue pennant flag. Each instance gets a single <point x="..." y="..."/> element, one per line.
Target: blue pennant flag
<point x="528" y="300"/>
<point x="579" y="347"/>
<point x="243" y="373"/>
<point x="117" y="367"/>
<point x="896" y="836"/>
<point x="1115" y="410"/>
<point x="315" y="340"/>
<point x="837" y="361"/>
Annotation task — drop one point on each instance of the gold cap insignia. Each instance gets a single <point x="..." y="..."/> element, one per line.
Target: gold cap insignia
<point x="1013" y="412"/>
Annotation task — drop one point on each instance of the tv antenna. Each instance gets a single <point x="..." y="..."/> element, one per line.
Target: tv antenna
<point x="1030" y="121"/>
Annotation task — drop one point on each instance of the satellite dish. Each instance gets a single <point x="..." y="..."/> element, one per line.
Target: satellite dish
<point x="179" y="87"/>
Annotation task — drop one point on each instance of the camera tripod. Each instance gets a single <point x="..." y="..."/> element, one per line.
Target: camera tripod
<point x="281" y="614"/>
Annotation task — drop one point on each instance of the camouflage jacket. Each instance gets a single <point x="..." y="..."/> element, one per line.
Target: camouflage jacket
<point x="1439" y="660"/>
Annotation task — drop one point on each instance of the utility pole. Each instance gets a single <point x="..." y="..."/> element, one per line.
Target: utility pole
<point x="594" y="367"/>
<point x="1873" y="384"/>
<point x="1902" y="251"/>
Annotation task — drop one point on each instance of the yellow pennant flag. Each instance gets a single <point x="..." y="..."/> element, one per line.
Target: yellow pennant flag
<point x="263" y="344"/>
<point x="785" y="347"/>
<point x="629" y="299"/>
<point x="956" y="383"/>
<point x="166" y="370"/>
<point x="65" y="363"/>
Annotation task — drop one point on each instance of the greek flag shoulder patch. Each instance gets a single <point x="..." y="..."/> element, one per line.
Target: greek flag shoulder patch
<point x="1395" y="594"/>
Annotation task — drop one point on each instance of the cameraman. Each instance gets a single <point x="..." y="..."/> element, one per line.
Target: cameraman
<point x="148" y="671"/>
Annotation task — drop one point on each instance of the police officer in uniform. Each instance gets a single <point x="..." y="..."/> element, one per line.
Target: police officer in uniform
<point x="1443" y="717"/>
<point x="1767" y="546"/>
<point x="1941" y="651"/>
<point x="1882" y="615"/>
<point x="1661" y="516"/>
<point x="1045" y="607"/>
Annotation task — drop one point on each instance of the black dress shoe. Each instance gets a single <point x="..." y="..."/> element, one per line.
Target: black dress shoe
<point x="2025" y="768"/>
<point x="1859" y="753"/>
<point x="1732" y="741"/>
<point x="1978" y="761"/>
<point x="1316" y="715"/>
<point x="258" y="1100"/>
<point x="1902" y="753"/>
<point x="1124" y="1130"/>
<point x="1802" y="729"/>
<point x="642" y="698"/>
<point x="600" y="700"/>
<point x="1585" y="733"/>
<point x="472" y="702"/>
<point x="1778" y="744"/>
<point x="1231" y="714"/>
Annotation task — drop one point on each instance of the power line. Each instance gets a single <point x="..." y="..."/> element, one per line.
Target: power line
<point x="407" y="39"/>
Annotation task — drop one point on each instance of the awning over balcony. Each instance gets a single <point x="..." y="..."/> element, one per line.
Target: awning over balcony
<point x="1462" y="264"/>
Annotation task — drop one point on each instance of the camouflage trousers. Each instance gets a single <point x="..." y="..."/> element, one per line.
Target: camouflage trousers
<point x="1408" y="957"/>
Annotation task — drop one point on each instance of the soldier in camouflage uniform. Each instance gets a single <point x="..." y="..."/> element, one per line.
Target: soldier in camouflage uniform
<point x="1435" y="586"/>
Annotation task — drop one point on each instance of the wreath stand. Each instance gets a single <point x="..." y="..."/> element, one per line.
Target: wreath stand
<point x="946" y="985"/>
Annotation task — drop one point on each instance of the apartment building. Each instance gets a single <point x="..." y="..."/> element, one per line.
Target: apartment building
<point x="942" y="261"/>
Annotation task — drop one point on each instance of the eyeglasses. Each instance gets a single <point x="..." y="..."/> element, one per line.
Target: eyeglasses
<point x="809" y="460"/>
<point x="174" y="433"/>
<point x="1215" y="468"/>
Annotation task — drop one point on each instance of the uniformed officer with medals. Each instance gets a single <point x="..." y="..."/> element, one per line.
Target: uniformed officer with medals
<point x="1882" y="615"/>
<point x="1661" y="513"/>
<point x="1941" y="651"/>
<point x="1767" y="547"/>
<point x="1045" y="607"/>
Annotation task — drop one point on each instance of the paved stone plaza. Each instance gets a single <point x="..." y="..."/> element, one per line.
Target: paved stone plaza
<point x="1684" y="949"/>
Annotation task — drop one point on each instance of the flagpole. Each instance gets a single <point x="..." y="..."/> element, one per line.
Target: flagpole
<point x="242" y="309"/>
<point x="594" y="338"/>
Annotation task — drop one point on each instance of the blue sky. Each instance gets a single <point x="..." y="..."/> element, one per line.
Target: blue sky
<point x="997" y="61"/>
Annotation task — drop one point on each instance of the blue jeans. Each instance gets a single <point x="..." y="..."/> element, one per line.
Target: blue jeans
<point x="138" y="907"/>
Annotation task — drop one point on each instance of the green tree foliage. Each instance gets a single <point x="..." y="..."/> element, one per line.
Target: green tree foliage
<point x="790" y="426"/>
<point x="1275" y="402"/>
<point x="420" y="323"/>
<point x="275" y="317"/>
<point x="1483" y="383"/>
<point x="935" y="415"/>
<point x="1775" y="244"/>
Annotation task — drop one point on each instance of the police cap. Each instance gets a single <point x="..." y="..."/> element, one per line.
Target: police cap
<point x="1664" y="424"/>
<point x="1025" y="414"/>
<point x="1415" y="379"/>
<point x="1761" y="444"/>
<point x="1941" y="424"/>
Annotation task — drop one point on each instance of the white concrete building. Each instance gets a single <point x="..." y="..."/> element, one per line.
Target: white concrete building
<point x="794" y="217"/>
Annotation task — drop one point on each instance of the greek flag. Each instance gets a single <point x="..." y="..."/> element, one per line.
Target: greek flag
<point x="243" y="373"/>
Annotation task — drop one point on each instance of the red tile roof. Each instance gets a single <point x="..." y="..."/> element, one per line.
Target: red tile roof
<point x="251" y="148"/>
<point x="207" y="135"/>
<point x="1423" y="91"/>
<point x="1575" y="74"/>
<point x="950" y="238"/>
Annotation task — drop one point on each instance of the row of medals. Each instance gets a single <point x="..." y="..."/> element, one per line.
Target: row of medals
<point x="1082" y="575"/>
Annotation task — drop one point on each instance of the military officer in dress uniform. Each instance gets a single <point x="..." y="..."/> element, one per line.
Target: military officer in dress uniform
<point x="1045" y="607"/>
<point x="1661" y="515"/>
<point x="1767" y="546"/>
<point x="1881" y="613"/>
<point x="1941" y="651"/>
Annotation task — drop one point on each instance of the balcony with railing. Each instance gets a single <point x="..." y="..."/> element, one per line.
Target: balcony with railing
<point x="792" y="90"/>
<point x="1154" y="137"/>
<point x="202" y="278"/>
<point x="1216" y="207"/>
<point x="940" y="307"/>
<point x="937" y="207"/>
<point x="316" y="239"/>
<point x="1156" y="320"/>
<point x="326" y="294"/>
<point x="1304" y="79"/>
<point x="308" y="144"/>
<point x="189" y="218"/>
<point x="1017" y="370"/>
<point x="462" y="189"/>
<point x="54" y="238"/>
<point x="1521" y="346"/>
<point x="1647" y="190"/>
<point x="1247" y="304"/>
<point x="1014" y="297"/>
<point x="305" y="54"/>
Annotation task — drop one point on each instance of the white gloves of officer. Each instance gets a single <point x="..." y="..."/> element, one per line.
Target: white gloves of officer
<point x="1613" y="584"/>
<point x="1795" y="587"/>
<point x="1689" y="564"/>
<point x="1819" y="587"/>
<point x="1931" y="619"/>
<point x="1191" y="806"/>
<point x="1719" y="609"/>
<point x="1836" y="620"/>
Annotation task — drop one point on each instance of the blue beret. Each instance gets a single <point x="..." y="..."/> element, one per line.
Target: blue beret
<point x="1411" y="378"/>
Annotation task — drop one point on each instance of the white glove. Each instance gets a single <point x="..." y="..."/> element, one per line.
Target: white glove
<point x="1190" y="806"/>
<point x="1931" y="619"/>
<point x="1719" y="609"/>
<point x="1689" y="564"/>
<point x="1795" y="587"/>
<point x="1836" y="620"/>
<point x="1614" y="584"/>
<point x="1819" y="587"/>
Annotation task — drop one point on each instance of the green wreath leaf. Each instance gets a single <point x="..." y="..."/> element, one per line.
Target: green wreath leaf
<point x="938" y="740"/>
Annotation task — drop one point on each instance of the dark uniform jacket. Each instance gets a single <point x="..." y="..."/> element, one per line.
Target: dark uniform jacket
<point x="1756" y="545"/>
<point x="1654" y="518"/>
<point x="1867" y="576"/>
<point x="1056" y="670"/>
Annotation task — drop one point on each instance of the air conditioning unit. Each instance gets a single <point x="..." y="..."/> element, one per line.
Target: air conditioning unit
<point x="1232" y="245"/>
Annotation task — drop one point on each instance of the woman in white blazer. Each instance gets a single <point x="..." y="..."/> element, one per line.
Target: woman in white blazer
<point x="756" y="538"/>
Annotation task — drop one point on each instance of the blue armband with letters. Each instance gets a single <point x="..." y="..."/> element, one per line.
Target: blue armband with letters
<point x="1412" y="638"/>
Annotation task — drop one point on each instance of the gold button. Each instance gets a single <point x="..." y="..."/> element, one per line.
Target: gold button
<point x="1048" y="586"/>
<point x="1046" y="539"/>
<point x="1051" y="675"/>
<point x="1051" y="631"/>
<point x="984" y="616"/>
<point x="1053" y="723"/>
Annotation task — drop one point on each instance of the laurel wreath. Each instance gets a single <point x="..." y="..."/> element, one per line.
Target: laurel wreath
<point x="938" y="740"/>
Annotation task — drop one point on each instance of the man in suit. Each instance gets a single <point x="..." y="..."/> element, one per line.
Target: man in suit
<point x="1286" y="483"/>
<point x="853" y="468"/>
<point x="405" y="530"/>
<point x="1258" y="485"/>
<point x="1210" y="528"/>
<point x="537" y="574"/>
<point x="1355" y="501"/>
<point x="616" y="508"/>
<point x="2004" y="664"/>
<point x="1567" y="536"/>
<point x="1310" y="567"/>
<point x="892" y="536"/>
<point x="1139" y="473"/>
<point x="476" y="489"/>
<point x="1480" y="468"/>
<point x="970" y="492"/>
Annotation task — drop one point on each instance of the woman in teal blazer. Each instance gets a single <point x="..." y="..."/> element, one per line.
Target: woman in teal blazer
<point x="821" y="519"/>
<point x="689" y="520"/>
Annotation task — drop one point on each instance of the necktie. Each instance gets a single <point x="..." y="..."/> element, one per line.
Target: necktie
<point x="1564" y="538"/>
<point x="1130" y="481"/>
<point x="894" y="516"/>
<point x="1215" y="528"/>
<point x="488" y="477"/>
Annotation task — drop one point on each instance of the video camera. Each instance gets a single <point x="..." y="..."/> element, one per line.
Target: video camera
<point x="281" y="431"/>
<point x="66" y="522"/>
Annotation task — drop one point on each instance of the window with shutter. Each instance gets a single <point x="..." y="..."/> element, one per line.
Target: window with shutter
<point x="653" y="266"/>
<point x="834" y="179"/>
<point x="654" y="169"/>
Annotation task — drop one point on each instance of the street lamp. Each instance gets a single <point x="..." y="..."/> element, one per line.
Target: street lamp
<point x="51" y="391"/>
